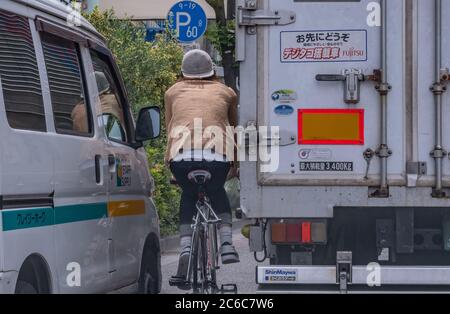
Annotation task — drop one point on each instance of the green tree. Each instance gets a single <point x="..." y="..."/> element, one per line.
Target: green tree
<point x="222" y="35"/>
<point x="148" y="70"/>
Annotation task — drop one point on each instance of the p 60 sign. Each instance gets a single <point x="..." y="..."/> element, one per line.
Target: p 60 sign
<point x="188" y="20"/>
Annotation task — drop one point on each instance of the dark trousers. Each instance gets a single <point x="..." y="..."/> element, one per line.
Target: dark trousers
<point x="214" y="188"/>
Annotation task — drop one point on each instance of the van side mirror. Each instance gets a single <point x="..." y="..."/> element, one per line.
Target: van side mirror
<point x="148" y="126"/>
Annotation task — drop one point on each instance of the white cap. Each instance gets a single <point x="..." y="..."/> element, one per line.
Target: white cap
<point x="197" y="64"/>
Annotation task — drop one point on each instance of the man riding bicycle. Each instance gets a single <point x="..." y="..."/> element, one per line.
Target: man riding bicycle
<point x="199" y="113"/>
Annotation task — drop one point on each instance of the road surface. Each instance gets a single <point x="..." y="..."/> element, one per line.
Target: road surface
<point x="242" y="274"/>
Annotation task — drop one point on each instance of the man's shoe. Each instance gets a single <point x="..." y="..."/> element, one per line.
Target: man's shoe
<point x="180" y="279"/>
<point x="229" y="254"/>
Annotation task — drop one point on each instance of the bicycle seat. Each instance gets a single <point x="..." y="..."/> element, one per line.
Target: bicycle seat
<point x="199" y="177"/>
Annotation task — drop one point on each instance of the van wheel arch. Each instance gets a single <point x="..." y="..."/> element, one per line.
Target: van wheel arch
<point x="150" y="270"/>
<point x="34" y="275"/>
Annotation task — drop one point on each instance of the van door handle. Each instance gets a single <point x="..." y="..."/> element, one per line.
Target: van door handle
<point x="112" y="163"/>
<point x="98" y="173"/>
<point x="111" y="160"/>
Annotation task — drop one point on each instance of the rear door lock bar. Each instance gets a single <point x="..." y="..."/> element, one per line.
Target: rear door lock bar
<point x="352" y="79"/>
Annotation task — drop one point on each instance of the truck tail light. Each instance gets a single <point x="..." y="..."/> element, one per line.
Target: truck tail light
<point x="293" y="233"/>
<point x="279" y="233"/>
<point x="304" y="232"/>
<point x="319" y="232"/>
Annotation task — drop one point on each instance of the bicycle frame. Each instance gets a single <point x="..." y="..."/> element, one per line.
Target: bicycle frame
<point x="205" y="224"/>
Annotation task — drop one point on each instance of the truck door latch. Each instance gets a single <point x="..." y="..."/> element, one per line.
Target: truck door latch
<point x="344" y="270"/>
<point x="368" y="156"/>
<point x="352" y="79"/>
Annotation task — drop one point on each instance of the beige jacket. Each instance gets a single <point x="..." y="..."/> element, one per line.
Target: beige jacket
<point x="206" y="108"/>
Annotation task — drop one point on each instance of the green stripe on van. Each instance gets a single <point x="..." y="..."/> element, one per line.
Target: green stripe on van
<point x="27" y="218"/>
<point x="83" y="212"/>
<point x="42" y="217"/>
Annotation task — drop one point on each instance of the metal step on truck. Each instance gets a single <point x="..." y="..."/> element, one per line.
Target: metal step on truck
<point x="350" y="190"/>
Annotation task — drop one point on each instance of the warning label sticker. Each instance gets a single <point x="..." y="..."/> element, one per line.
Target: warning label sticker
<point x="324" y="46"/>
<point x="326" y="166"/>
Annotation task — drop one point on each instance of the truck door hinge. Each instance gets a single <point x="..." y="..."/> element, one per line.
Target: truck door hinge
<point x="417" y="168"/>
<point x="248" y="14"/>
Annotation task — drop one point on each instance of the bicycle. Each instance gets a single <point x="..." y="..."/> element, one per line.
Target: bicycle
<point x="204" y="254"/>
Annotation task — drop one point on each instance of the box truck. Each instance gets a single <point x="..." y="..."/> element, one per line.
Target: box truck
<point x="359" y="197"/>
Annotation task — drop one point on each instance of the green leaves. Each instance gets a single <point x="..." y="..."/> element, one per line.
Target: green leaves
<point x="222" y="38"/>
<point x="148" y="70"/>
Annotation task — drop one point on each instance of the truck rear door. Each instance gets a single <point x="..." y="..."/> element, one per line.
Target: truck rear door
<point x="317" y="75"/>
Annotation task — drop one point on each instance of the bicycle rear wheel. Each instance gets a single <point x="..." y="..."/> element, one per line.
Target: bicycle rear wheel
<point x="213" y="255"/>
<point x="207" y="271"/>
<point x="199" y="262"/>
<point x="195" y="264"/>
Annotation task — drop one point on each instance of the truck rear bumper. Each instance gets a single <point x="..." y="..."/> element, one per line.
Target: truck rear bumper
<point x="361" y="275"/>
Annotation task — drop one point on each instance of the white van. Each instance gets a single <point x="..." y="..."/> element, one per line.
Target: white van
<point x="76" y="208"/>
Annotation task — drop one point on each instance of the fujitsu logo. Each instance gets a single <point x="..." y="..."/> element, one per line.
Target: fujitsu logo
<point x="353" y="52"/>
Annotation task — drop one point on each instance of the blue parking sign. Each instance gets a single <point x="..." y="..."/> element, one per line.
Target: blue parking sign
<point x="188" y="20"/>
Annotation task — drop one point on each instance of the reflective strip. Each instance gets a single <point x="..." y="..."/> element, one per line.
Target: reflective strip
<point x="126" y="208"/>
<point x="331" y="126"/>
<point x="82" y="212"/>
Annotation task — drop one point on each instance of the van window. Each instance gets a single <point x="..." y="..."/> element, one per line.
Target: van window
<point x="19" y="74"/>
<point x="70" y="108"/>
<point x="112" y="109"/>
